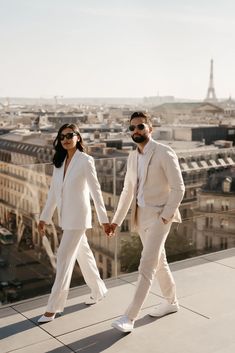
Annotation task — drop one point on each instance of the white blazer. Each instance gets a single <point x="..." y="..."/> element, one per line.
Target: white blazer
<point x="71" y="194"/>
<point x="163" y="184"/>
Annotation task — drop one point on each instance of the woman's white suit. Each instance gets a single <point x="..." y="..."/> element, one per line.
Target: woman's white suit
<point x="70" y="194"/>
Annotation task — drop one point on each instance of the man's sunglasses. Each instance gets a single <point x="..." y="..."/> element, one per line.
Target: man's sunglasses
<point x="139" y="127"/>
<point x="68" y="136"/>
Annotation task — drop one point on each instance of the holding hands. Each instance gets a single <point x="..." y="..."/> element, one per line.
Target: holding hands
<point x="41" y="228"/>
<point x="109" y="229"/>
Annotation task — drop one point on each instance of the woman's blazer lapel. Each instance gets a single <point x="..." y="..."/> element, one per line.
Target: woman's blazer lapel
<point x="70" y="167"/>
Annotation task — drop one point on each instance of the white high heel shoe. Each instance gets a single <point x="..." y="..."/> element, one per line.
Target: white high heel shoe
<point x="43" y="319"/>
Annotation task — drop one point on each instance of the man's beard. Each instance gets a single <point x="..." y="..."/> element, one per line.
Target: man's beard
<point x="139" y="139"/>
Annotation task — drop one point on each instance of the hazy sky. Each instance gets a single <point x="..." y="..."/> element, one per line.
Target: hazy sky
<point x="123" y="48"/>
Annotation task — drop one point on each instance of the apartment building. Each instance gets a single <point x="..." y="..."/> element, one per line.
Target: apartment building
<point x="24" y="187"/>
<point x="215" y="226"/>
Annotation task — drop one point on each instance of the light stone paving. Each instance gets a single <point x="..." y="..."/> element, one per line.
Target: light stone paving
<point x="204" y="324"/>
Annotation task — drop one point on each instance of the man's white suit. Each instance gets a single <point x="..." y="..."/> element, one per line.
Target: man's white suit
<point x="163" y="190"/>
<point x="70" y="194"/>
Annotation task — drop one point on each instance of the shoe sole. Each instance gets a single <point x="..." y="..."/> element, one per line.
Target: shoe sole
<point x="121" y="329"/>
<point x="170" y="312"/>
<point x="45" y="322"/>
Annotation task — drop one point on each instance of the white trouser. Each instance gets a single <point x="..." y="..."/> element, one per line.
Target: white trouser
<point x="153" y="233"/>
<point x="74" y="245"/>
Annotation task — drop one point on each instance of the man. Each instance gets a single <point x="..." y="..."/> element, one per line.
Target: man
<point x="154" y="188"/>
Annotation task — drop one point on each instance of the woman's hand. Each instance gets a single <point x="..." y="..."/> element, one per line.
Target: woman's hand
<point x="106" y="228"/>
<point x="112" y="228"/>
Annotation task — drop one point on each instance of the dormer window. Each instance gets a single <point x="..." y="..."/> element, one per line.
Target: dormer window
<point x="226" y="184"/>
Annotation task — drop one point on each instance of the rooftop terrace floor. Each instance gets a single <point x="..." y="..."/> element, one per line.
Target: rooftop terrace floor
<point x="204" y="324"/>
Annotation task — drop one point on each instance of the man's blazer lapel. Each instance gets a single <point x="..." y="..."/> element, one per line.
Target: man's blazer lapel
<point x="134" y="167"/>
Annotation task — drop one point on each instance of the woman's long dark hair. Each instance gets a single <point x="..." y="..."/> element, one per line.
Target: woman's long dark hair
<point x="60" y="152"/>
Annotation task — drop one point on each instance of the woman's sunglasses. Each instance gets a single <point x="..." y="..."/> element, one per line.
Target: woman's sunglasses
<point x="139" y="127"/>
<point x="68" y="136"/>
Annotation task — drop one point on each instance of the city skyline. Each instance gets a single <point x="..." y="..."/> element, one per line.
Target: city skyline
<point x="116" y="49"/>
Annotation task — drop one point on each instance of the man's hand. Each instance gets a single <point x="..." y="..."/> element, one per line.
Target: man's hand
<point x="113" y="227"/>
<point x="106" y="228"/>
<point x="41" y="228"/>
<point x="109" y="229"/>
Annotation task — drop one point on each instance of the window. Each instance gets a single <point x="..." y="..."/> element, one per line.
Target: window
<point x="184" y="213"/>
<point x="225" y="205"/>
<point x="224" y="223"/>
<point x="223" y="243"/>
<point x="231" y="132"/>
<point x="109" y="268"/>
<point x="209" y="222"/>
<point x="208" y="242"/>
<point x="193" y="192"/>
<point x="226" y="185"/>
<point x="125" y="226"/>
<point x="209" y="205"/>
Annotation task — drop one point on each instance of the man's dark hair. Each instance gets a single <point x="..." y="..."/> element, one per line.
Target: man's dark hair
<point x="142" y="115"/>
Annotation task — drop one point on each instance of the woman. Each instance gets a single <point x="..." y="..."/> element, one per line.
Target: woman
<point x="74" y="179"/>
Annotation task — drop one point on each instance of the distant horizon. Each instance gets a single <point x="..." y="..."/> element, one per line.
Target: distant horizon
<point x="61" y="98"/>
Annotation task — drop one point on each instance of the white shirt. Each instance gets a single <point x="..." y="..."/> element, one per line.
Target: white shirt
<point x="140" y="173"/>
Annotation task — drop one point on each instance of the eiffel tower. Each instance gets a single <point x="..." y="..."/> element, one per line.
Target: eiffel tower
<point x="211" y="97"/>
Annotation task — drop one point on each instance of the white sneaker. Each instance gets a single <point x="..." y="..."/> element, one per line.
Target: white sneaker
<point x="165" y="309"/>
<point x="43" y="319"/>
<point x="91" y="300"/>
<point x="123" y="324"/>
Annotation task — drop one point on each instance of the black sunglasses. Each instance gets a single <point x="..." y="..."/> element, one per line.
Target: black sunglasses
<point x="68" y="136"/>
<point x="139" y="127"/>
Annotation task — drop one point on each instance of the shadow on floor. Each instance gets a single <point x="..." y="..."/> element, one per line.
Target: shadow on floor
<point x="99" y="342"/>
<point x="95" y="343"/>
